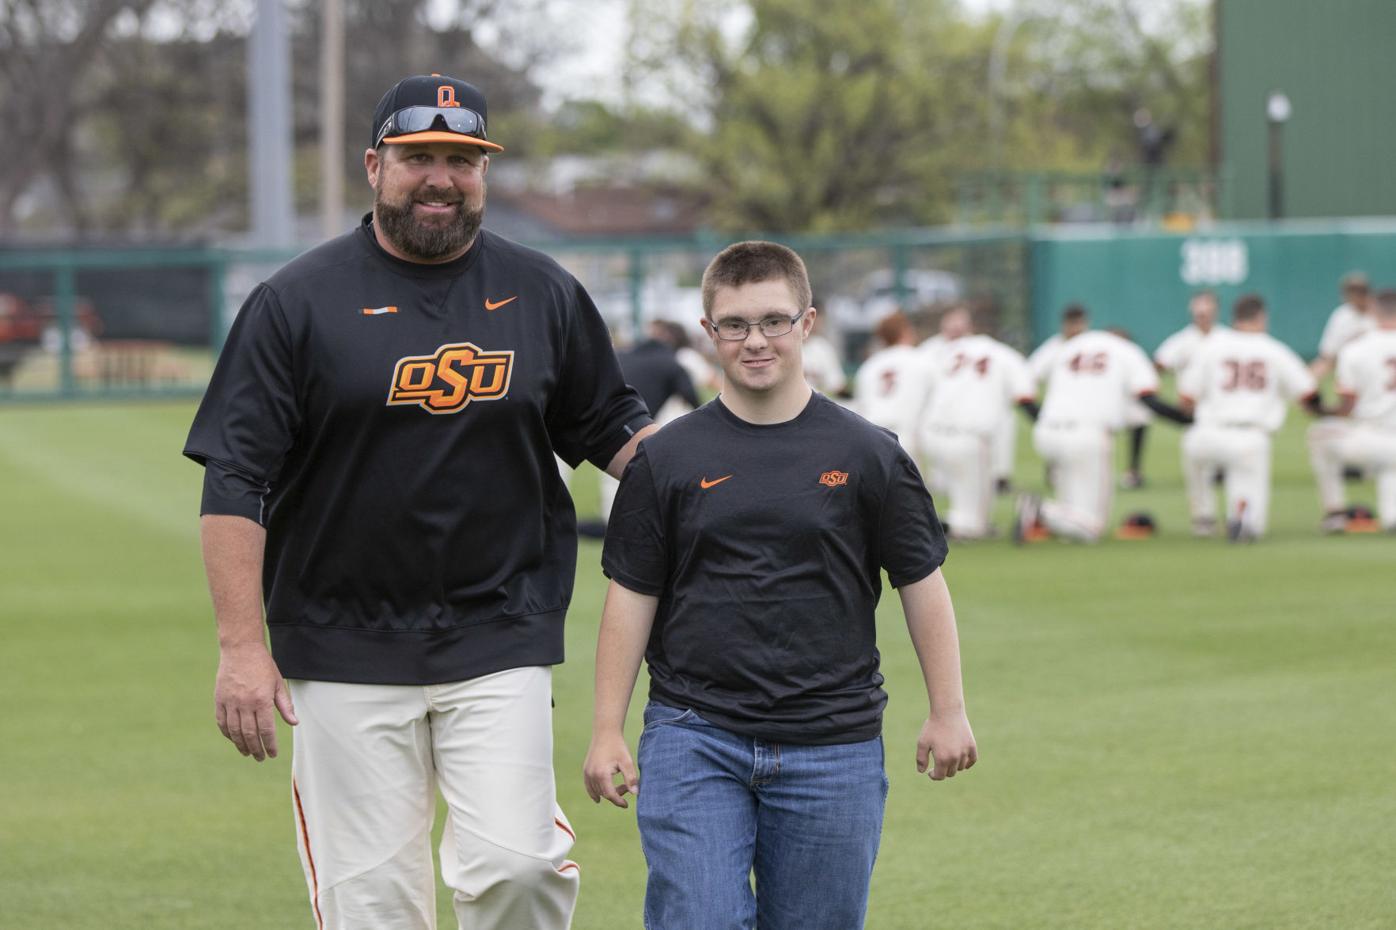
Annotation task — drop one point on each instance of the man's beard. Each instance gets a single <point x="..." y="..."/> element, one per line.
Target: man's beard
<point x="427" y="241"/>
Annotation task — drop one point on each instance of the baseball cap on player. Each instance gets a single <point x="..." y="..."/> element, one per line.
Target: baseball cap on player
<point x="432" y="108"/>
<point x="1137" y="525"/>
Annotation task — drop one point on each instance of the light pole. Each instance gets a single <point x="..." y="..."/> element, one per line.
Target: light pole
<point x="332" y="119"/>
<point x="269" y="127"/>
<point x="1277" y="113"/>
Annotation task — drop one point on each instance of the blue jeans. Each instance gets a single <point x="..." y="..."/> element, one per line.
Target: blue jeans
<point x="716" y="807"/>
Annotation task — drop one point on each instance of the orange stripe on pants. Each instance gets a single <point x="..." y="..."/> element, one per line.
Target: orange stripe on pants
<point x="305" y="838"/>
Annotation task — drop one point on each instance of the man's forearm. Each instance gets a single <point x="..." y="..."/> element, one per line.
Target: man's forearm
<point x="625" y="629"/>
<point x="233" y="551"/>
<point x="930" y="619"/>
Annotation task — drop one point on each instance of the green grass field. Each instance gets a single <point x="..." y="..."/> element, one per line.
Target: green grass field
<point x="1173" y="733"/>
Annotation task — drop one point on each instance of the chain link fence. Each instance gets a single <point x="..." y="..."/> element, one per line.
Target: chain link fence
<point x="126" y="323"/>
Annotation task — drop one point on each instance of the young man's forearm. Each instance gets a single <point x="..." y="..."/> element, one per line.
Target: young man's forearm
<point x="625" y="628"/>
<point x="930" y="619"/>
<point x="626" y="620"/>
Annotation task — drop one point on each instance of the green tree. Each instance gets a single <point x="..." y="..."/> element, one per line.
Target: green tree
<point x="823" y="122"/>
<point x="48" y="53"/>
<point x="857" y="113"/>
<point x="1071" y="77"/>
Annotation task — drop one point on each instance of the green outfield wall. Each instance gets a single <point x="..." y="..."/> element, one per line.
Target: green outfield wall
<point x="85" y="323"/>
<point x="1141" y="282"/>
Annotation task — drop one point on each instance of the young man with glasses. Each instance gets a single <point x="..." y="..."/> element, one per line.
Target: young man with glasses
<point x="745" y="553"/>
<point x="378" y="442"/>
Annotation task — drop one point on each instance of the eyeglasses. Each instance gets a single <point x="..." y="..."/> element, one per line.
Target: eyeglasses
<point x="420" y="119"/>
<point x="734" y="329"/>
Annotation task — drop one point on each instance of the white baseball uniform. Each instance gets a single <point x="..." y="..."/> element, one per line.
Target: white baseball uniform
<point x="1041" y="359"/>
<point x="1091" y="382"/>
<point x="931" y="349"/>
<point x="1006" y="438"/>
<point x="1175" y="352"/>
<point x="1241" y="383"/>
<point x="823" y="370"/>
<point x="1366" y="373"/>
<point x="891" y="388"/>
<point x="974" y="386"/>
<point x="933" y="346"/>
<point x="1345" y="324"/>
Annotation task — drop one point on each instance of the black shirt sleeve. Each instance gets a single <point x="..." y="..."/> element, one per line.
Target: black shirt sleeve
<point x="249" y="415"/>
<point x="635" y="554"/>
<point x="229" y="491"/>
<point x="594" y="412"/>
<point x="910" y="541"/>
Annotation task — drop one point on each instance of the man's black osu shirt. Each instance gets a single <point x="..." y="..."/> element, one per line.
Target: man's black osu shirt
<point x="393" y="424"/>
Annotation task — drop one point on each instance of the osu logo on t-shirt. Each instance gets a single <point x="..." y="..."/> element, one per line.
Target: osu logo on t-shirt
<point x="834" y="479"/>
<point x="451" y="377"/>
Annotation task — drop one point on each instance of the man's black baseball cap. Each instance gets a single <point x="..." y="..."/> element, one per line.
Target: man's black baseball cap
<point x="432" y="108"/>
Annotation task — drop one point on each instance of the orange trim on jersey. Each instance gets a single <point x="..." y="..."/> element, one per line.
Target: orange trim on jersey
<point x="565" y="829"/>
<point x="570" y="866"/>
<point x="305" y="839"/>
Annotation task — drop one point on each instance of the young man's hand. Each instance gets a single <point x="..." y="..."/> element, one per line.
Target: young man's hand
<point x="947" y="738"/>
<point x="607" y="756"/>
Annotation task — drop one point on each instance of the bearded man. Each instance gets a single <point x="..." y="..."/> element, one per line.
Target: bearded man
<point x="381" y="497"/>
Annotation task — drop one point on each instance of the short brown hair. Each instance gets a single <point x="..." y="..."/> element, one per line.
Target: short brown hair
<point x="751" y="263"/>
<point x="1247" y="307"/>
<point x="1074" y="313"/>
<point x="893" y="328"/>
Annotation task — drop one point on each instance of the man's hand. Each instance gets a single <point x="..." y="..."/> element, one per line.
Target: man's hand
<point x="948" y="738"/>
<point x="249" y="684"/>
<point x="606" y="757"/>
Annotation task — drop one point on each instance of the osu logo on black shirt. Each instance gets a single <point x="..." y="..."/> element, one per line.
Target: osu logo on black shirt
<point x="451" y="377"/>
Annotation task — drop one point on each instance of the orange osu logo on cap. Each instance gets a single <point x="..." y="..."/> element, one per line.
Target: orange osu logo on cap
<point x="834" y="479"/>
<point x="451" y="377"/>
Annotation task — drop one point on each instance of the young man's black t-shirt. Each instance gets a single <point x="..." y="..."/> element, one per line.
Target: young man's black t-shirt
<point x="765" y="545"/>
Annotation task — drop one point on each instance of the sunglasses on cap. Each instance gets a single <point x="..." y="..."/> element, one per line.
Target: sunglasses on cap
<point x="421" y="119"/>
